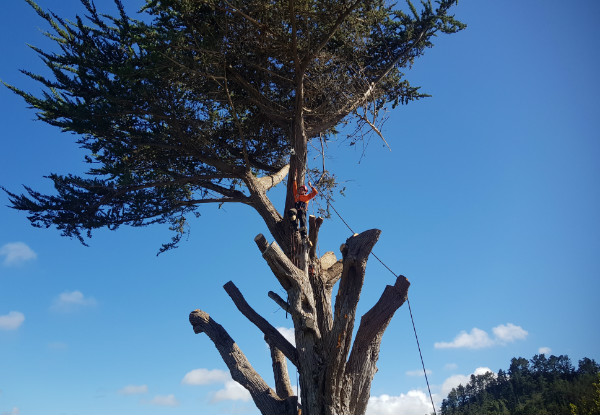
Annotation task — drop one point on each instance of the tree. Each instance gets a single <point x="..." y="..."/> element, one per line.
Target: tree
<point x="539" y="388"/>
<point x="216" y="101"/>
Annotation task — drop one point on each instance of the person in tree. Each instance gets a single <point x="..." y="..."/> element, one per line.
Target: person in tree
<point x="301" y="198"/>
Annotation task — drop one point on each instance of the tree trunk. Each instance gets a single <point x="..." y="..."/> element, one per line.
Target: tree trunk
<point x="335" y="373"/>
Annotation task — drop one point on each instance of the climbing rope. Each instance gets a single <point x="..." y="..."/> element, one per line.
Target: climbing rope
<point x="407" y="300"/>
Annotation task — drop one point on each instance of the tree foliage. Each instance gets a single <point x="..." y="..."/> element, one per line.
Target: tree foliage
<point x="215" y="101"/>
<point x="176" y="108"/>
<point x="542" y="385"/>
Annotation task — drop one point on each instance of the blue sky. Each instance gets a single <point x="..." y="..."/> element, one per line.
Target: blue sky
<point x="489" y="203"/>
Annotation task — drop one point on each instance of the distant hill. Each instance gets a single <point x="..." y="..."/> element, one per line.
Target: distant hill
<point x="540" y="386"/>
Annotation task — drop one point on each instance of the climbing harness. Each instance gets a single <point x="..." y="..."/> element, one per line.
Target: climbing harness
<point x="407" y="300"/>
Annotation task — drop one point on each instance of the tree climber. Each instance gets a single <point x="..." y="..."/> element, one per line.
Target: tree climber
<point x="298" y="214"/>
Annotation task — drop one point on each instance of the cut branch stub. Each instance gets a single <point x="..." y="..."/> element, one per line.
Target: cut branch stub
<point x="280" y="301"/>
<point x="283" y="386"/>
<point x="313" y="234"/>
<point x="284" y="270"/>
<point x="355" y="254"/>
<point x="361" y="366"/>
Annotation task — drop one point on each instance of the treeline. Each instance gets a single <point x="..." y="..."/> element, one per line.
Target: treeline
<point x="540" y="386"/>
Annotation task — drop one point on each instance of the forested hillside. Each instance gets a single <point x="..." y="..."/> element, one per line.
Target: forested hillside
<point x="540" y="386"/>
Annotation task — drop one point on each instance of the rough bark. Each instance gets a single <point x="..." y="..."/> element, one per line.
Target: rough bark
<point x="241" y="370"/>
<point x="335" y="373"/>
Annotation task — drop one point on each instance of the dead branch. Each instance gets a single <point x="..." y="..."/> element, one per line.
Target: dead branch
<point x="240" y="368"/>
<point x="274" y="337"/>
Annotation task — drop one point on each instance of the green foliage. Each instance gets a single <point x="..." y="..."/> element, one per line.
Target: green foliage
<point x="540" y="386"/>
<point x="176" y="109"/>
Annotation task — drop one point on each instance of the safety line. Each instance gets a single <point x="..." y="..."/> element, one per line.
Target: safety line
<point x="409" y="308"/>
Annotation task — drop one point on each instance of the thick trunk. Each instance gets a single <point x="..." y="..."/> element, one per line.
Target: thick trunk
<point x="335" y="371"/>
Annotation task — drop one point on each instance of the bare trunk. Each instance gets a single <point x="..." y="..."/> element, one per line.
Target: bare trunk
<point x="335" y="371"/>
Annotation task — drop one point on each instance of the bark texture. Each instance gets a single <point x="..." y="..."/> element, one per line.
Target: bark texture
<point x="335" y="370"/>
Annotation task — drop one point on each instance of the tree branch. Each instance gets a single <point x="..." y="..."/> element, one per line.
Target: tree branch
<point x="355" y="254"/>
<point x="284" y="270"/>
<point x="280" y="372"/>
<point x="313" y="234"/>
<point x="307" y="59"/>
<point x="275" y="339"/>
<point x="268" y="182"/>
<point x="365" y="351"/>
<point x="240" y="368"/>
<point x="280" y="301"/>
<point x="401" y="60"/>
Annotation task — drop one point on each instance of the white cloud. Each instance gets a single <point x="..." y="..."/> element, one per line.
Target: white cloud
<point x="508" y="333"/>
<point x="232" y="391"/>
<point x="478" y="339"/>
<point x="15" y="411"/>
<point x="544" y="350"/>
<point x="413" y="402"/>
<point x="205" y="377"/>
<point x="288" y="334"/>
<point x="133" y="390"/>
<point x="16" y="253"/>
<point x="418" y="372"/>
<point x="69" y="301"/>
<point x="450" y="366"/>
<point x="12" y="320"/>
<point x="164" y="400"/>
<point x="455" y="380"/>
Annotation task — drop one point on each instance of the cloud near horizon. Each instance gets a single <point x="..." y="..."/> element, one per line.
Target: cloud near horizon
<point x="205" y="377"/>
<point x="12" y="320"/>
<point x="479" y="339"/>
<point x="231" y="391"/>
<point x="414" y="402"/>
<point x="164" y="400"/>
<point x="16" y="253"/>
<point x="455" y="380"/>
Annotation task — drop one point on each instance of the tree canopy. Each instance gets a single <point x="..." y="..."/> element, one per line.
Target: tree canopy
<point x="541" y="385"/>
<point x="179" y="108"/>
<point x="215" y="101"/>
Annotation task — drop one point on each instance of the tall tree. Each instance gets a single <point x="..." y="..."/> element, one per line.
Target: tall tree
<point x="216" y="101"/>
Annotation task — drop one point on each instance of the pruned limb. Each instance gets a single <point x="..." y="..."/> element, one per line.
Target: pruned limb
<point x="268" y="182"/>
<point x="280" y="301"/>
<point x="283" y="386"/>
<point x="331" y="268"/>
<point x="284" y="270"/>
<point x="365" y="350"/>
<point x="355" y="252"/>
<point x="377" y="318"/>
<point x="274" y="337"/>
<point x="240" y="368"/>
<point x="313" y="234"/>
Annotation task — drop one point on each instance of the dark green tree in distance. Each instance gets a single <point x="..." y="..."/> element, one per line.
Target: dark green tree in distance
<point x="217" y="101"/>
<point x="542" y="385"/>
